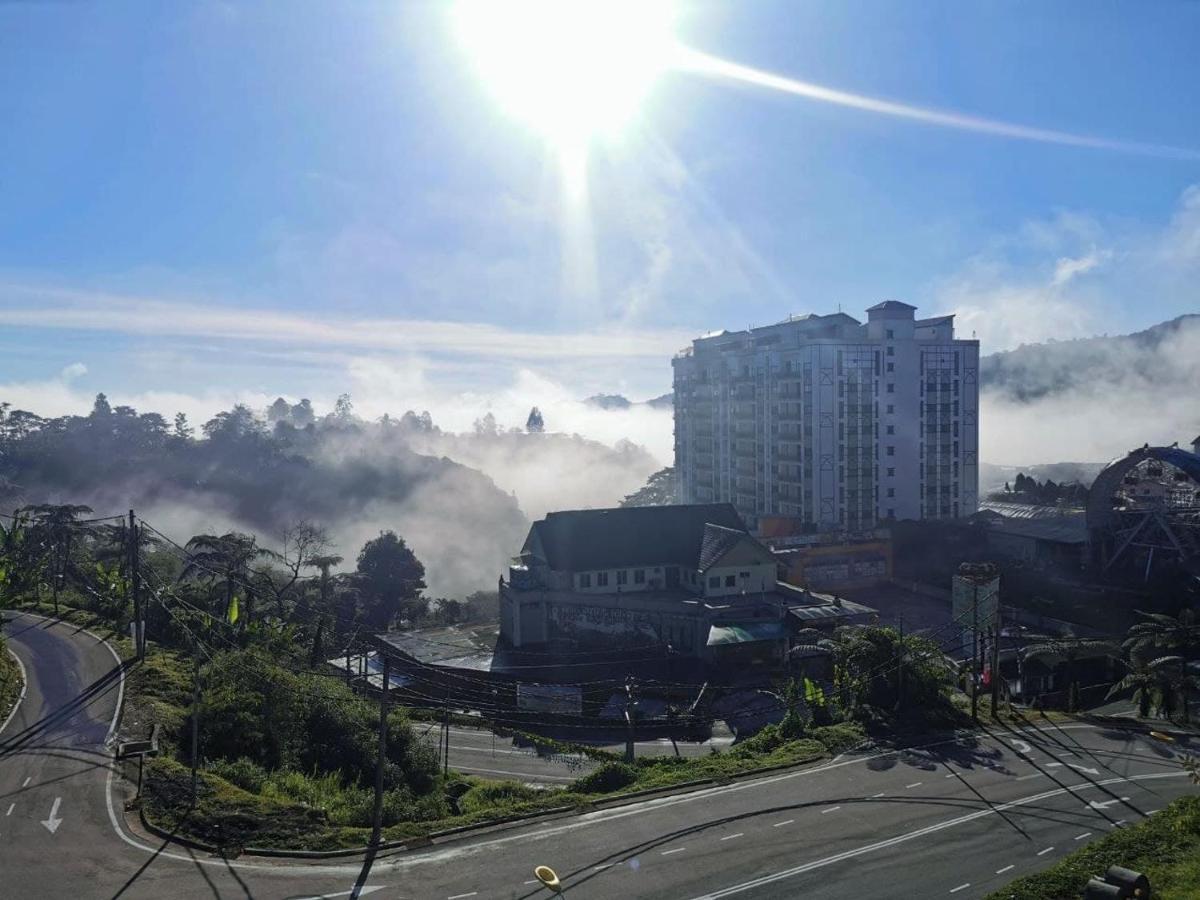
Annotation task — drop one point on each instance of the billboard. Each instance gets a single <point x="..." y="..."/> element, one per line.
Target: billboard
<point x="558" y="699"/>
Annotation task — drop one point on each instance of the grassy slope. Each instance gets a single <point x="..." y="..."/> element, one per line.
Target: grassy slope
<point x="10" y="682"/>
<point x="1165" y="847"/>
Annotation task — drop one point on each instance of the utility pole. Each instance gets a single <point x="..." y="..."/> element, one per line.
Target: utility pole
<point x="975" y="657"/>
<point x="195" y="716"/>
<point x="446" y="731"/>
<point x="135" y="586"/>
<point x="996" y="664"/>
<point x="900" y="666"/>
<point x="377" y="811"/>
<point x="630" y="703"/>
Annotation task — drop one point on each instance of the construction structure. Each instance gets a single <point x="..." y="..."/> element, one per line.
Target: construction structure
<point x="1143" y="513"/>
<point x="832" y="422"/>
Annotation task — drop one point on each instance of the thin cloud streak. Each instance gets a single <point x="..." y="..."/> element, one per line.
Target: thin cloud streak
<point x="701" y="63"/>
<point x="57" y="308"/>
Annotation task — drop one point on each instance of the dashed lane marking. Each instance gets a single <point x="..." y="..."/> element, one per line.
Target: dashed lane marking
<point x="952" y="775"/>
<point x="961" y="887"/>
<point x="11" y="807"/>
<point x="25" y="783"/>
<point x="1044" y="852"/>
<point x="676" y="850"/>
<point x="874" y="796"/>
<point x="909" y="787"/>
<point x="830" y="809"/>
<point x="1080" y="837"/>
<point x="781" y="824"/>
<point x="1005" y="869"/>
<point x="730" y="837"/>
<point x="463" y="896"/>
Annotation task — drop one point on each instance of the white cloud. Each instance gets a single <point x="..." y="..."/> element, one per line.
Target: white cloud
<point x="73" y="371"/>
<point x="1068" y="267"/>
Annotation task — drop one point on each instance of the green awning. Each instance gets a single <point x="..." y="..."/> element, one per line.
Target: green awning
<point x="745" y="634"/>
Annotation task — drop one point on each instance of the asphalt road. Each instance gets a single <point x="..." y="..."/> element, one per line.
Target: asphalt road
<point x="955" y="819"/>
<point x="479" y="752"/>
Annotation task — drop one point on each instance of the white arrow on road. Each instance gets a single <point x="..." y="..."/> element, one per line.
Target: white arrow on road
<point x="1021" y="747"/>
<point x="1096" y="804"/>
<point x="53" y="821"/>
<point x="1079" y="768"/>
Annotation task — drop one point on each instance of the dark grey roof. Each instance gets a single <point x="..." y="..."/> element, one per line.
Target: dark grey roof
<point x="716" y="542"/>
<point x="890" y="304"/>
<point x="588" y="539"/>
<point x="934" y="320"/>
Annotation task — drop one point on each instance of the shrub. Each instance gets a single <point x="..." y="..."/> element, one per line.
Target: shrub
<point x="610" y="776"/>
<point x="769" y="738"/>
<point x="497" y="795"/>
<point x="245" y="773"/>
<point x="838" y="738"/>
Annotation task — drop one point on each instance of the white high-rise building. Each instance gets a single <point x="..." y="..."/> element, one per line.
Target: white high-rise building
<point x="837" y="424"/>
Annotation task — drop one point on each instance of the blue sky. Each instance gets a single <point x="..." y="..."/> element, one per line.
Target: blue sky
<point x="202" y="201"/>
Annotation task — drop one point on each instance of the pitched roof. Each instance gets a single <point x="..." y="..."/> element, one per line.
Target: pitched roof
<point x="589" y="539"/>
<point x="718" y="542"/>
<point x="890" y="304"/>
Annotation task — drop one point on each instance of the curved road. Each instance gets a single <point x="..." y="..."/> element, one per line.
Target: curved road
<point x="957" y="819"/>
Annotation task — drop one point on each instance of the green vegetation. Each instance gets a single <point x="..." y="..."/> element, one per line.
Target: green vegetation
<point x="1166" y="847"/>
<point x="10" y="681"/>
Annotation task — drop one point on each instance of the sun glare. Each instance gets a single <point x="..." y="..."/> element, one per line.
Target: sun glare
<point x="572" y="69"/>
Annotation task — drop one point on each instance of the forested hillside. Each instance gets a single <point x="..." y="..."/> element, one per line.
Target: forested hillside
<point x="246" y="473"/>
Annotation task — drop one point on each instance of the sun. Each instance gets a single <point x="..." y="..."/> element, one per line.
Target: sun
<point x="571" y="69"/>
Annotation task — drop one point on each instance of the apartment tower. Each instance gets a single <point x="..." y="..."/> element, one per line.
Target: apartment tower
<point x="835" y="423"/>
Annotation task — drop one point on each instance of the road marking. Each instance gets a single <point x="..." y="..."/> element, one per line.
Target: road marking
<point x="462" y="896"/>
<point x="781" y="824"/>
<point x="1096" y="804"/>
<point x="532" y="881"/>
<point x="1119" y="823"/>
<point x="830" y="809"/>
<point x="921" y="832"/>
<point x="961" y="887"/>
<point x="1080" y="837"/>
<point x="1027" y="777"/>
<point x="909" y="787"/>
<point x="1079" y="768"/>
<point x="676" y="850"/>
<point x="11" y="807"/>
<point x="602" y="866"/>
<point x="952" y="775"/>
<point x="730" y="837"/>
<point x="874" y="796"/>
<point x="1044" y="852"/>
<point x="25" y="783"/>
<point x="1005" y="869"/>
<point x="352" y="893"/>
<point x="53" y="820"/>
<point x="1053" y="765"/>
<point x="1021" y="747"/>
<point x="24" y="686"/>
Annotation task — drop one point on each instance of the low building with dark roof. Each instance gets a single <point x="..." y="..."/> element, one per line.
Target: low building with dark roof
<point x="689" y="580"/>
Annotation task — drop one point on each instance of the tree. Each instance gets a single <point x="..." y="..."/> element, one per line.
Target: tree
<point x="302" y="414"/>
<point x="323" y="563"/>
<point x="1144" y="684"/>
<point x="659" y="490"/>
<point x="535" y="424"/>
<point x="302" y="541"/>
<point x="53" y="527"/>
<point x="183" y="431"/>
<point x="1178" y="635"/>
<point x="391" y="579"/>
<point x="224" y="561"/>
<point x="343" y="409"/>
<point x="486" y="427"/>
<point x="101" y="410"/>
<point x="279" y="411"/>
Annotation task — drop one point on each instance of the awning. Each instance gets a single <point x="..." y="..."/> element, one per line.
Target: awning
<point x="745" y="634"/>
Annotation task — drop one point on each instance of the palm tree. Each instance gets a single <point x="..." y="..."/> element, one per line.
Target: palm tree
<point x="1068" y="652"/>
<point x="1178" y="635"/>
<point x="224" y="560"/>
<point x="54" y="526"/>
<point x="324" y="563"/>
<point x="1175" y="684"/>
<point x="1145" y="684"/>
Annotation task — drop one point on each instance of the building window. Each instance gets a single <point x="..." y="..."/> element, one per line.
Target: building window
<point x="891" y="409"/>
<point x="891" y="472"/>
<point x="585" y="580"/>
<point x="890" y="334"/>
<point x="622" y="577"/>
<point x="891" y="351"/>
<point x="601" y="579"/>
<point x="891" y="429"/>
<point x="891" y="388"/>
<point x="891" y="450"/>
<point x="639" y="576"/>
<point x="891" y="492"/>
<point x="891" y="367"/>
<point x="891" y="513"/>
<point x="730" y="581"/>
<point x="714" y="581"/>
